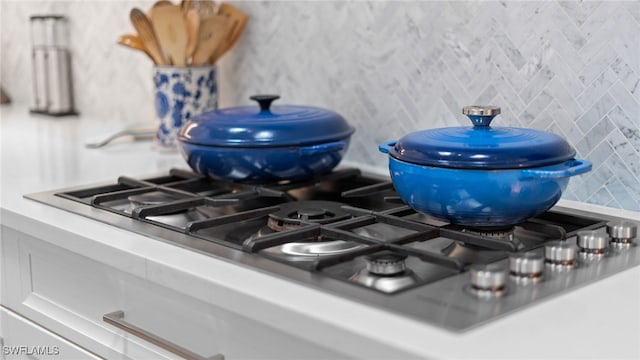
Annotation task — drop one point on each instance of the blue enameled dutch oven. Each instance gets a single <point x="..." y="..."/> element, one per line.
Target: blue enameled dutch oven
<point x="265" y="143"/>
<point x="482" y="176"/>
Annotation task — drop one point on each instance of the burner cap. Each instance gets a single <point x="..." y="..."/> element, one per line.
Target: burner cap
<point x="311" y="214"/>
<point x="318" y="248"/>
<point x="386" y="263"/>
<point x="294" y="214"/>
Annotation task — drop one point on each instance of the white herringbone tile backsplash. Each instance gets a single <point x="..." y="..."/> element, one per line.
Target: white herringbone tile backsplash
<point x="569" y="67"/>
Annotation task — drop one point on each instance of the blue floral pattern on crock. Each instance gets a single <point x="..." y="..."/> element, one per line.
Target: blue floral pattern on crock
<point x="181" y="93"/>
<point x="162" y="104"/>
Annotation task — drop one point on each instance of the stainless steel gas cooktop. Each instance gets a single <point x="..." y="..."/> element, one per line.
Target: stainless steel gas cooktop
<point x="349" y="234"/>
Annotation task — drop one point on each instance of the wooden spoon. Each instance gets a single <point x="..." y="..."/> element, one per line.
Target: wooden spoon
<point x="144" y="28"/>
<point x="210" y="37"/>
<point x="205" y="8"/>
<point x="193" y="27"/>
<point x="171" y="28"/>
<point x="185" y="5"/>
<point x="237" y="22"/>
<point x="162" y="3"/>
<point x="157" y="4"/>
<point x="133" y="42"/>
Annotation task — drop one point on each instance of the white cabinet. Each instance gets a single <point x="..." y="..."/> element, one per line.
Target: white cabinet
<point x="22" y="339"/>
<point x="69" y="294"/>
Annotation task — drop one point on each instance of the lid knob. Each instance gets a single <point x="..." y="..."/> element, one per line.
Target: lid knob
<point x="481" y="115"/>
<point x="265" y="100"/>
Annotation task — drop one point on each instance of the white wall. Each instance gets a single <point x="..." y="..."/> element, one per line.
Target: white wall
<point x="390" y="68"/>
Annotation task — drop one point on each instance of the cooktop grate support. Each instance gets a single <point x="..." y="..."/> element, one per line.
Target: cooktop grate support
<point x="180" y="184"/>
<point x="188" y="190"/>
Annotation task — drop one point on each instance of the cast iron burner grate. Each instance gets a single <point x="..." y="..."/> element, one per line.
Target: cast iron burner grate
<point x="325" y="221"/>
<point x="349" y="234"/>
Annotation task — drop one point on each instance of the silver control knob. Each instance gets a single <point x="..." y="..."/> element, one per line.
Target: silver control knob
<point x="528" y="265"/>
<point x="593" y="242"/>
<point x="491" y="277"/>
<point x="560" y="253"/>
<point x="622" y="232"/>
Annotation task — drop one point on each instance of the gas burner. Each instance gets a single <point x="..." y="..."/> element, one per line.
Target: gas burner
<point x="386" y="263"/>
<point x="150" y="198"/>
<point x="386" y="271"/>
<point x="500" y="233"/>
<point x="311" y="250"/>
<point x="318" y="248"/>
<point x="294" y="214"/>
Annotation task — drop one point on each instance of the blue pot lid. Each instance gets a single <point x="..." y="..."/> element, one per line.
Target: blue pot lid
<point x="265" y="125"/>
<point x="482" y="146"/>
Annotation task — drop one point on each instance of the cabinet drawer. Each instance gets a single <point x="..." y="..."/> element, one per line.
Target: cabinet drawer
<point x="70" y="294"/>
<point x="23" y="339"/>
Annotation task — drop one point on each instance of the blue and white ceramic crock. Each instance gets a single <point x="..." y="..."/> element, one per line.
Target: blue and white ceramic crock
<point x="181" y="93"/>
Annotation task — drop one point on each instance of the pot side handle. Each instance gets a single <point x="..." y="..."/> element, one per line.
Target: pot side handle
<point x="387" y="146"/>
<point x="322" y="148"/>
<point x="553" y="172"/>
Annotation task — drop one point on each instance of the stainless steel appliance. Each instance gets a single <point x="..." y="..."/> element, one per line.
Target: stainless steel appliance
<point x="51" y="66"/>
<point x="348" y="233"/>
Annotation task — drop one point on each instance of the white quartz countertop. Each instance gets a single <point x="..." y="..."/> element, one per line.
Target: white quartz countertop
<point x="40" y="153"/>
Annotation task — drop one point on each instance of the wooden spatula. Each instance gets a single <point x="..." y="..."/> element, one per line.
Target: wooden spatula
<point x="237" y="21"/>
<point x="170" y="27"/>
<point x="146" y="34"/>
<point x="193" y="28"/>
<point x="210" y="37"/>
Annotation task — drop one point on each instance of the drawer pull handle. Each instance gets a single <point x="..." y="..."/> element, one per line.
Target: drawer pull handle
<point x="116" y="319"/>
